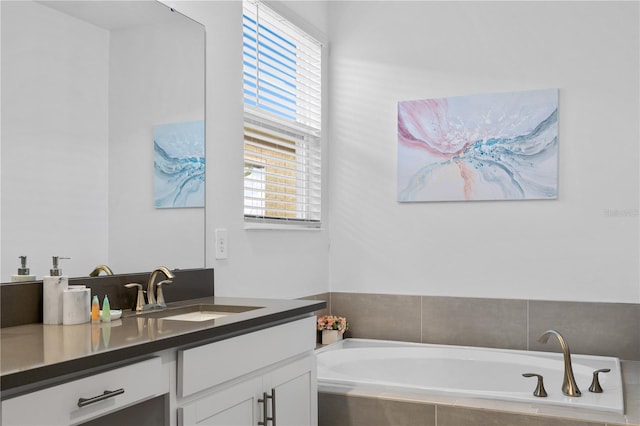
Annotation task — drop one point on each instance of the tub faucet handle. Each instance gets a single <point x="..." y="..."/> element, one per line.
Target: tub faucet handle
<point x="595" y="383"/>
<point x="540" y="391"/>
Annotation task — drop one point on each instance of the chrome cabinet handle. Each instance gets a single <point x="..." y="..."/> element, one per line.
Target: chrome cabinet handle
<point x="595" y="383"/>
<point x="273" y="406"/>
<point x="265" y="409"/>
<point x="83" y="402"/>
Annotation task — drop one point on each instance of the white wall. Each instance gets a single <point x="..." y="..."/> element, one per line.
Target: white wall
<point x="277" y="264"/>
<point x="54" y="140"/>
<point x="583" y="246"/>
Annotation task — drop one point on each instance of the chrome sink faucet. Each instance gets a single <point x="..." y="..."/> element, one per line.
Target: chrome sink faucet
<point x="151" y="297"/>
<point x="569" y="386"/>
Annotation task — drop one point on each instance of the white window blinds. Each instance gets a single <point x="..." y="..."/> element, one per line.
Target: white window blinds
<point x="282" y="121"/>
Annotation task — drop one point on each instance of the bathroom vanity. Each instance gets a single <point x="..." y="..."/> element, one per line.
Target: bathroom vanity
<point x="248" y="366"/>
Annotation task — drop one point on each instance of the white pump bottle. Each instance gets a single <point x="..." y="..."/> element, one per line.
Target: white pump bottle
<point x="53" y="287"/>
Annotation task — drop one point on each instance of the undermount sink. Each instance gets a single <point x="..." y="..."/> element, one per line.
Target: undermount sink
<point x="197" y="316"/>
<point x="197" y="313"/>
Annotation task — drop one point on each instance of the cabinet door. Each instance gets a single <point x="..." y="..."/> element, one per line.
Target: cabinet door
<point x="296" y="396"/>
<point x="236" y="405"/>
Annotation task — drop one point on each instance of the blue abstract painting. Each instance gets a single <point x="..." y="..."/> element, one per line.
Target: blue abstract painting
<point x="179" y="164"/>
<point x="501" y="146"/>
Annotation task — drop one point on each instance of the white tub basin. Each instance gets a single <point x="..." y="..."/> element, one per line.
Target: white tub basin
<point x="470" y="372"/>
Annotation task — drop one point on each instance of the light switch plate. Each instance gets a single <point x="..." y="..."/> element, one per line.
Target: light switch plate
<point x="222" y="243"/>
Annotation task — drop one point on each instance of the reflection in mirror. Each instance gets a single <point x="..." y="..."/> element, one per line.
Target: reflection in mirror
<point x="83" y="85"/>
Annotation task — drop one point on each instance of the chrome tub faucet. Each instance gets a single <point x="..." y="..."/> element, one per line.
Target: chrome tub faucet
<point x="569" y="386"/>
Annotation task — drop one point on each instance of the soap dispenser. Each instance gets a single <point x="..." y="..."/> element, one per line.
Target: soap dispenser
<point x="53" y="287"/>
<point x="23" y="272"/>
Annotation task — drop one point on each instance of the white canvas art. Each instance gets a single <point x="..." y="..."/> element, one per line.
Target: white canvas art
<point x="179" y="164"/>
<point x="501" y="146"/>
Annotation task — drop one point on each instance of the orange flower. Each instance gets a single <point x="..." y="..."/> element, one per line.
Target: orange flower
<point x="331" y="322"/>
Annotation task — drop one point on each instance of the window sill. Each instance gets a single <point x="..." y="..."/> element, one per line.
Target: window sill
<point x="253" y="226"/>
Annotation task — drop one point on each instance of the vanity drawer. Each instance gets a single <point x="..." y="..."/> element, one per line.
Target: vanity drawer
<point x="209" y="365"/>
<point x="58" y="405"/>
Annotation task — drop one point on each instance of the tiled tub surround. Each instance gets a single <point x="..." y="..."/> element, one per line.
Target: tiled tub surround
<point x="385" y="409"/>
<point x="608" y="329"/>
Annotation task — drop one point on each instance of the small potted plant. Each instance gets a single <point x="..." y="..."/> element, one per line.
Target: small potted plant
<point x="332" y="327"/>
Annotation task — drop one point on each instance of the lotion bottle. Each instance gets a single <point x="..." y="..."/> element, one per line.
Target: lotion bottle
<point x="95" y="309"/>
<point x="53" y="287"/>
<point x="23" y="272"/>
<point x="106" y="310"/>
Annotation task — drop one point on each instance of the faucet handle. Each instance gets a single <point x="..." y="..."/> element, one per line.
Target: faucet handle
<point x="540" y="391"/>
<point x="160" y="297"/>
<point x="140" y="297"/>
<point x="595" y="383"/>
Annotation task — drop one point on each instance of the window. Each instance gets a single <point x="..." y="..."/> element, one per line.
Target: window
<point x="282" y="121"/>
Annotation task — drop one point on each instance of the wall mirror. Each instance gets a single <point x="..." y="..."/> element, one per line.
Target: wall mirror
<point x="84" y="85"/>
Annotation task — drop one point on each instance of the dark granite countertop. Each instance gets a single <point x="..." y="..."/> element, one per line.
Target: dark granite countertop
<point x="37" y="355"/>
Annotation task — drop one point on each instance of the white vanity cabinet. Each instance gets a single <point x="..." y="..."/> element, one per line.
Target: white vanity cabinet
<point x="89" y="397"/>
<point x="267" y="377"/>
<point x="262" y="377"/>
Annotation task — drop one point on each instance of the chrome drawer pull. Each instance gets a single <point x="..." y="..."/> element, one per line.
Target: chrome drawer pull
<point x="83" y="402"/>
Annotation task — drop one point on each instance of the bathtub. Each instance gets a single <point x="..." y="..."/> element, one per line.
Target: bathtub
<point x="466" y="372"/>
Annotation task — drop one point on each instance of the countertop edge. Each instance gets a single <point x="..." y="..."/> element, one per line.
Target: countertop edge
<point x="21" y="382"/>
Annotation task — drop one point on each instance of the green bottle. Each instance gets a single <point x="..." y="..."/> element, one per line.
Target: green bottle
<point x="106" y="310"/>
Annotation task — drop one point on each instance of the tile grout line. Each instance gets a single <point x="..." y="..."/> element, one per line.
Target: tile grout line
<point x="421" y="319"/>
<point x="527" y="330"/>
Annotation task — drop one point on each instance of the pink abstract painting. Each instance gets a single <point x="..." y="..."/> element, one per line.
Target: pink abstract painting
<point x="501" y="146"/>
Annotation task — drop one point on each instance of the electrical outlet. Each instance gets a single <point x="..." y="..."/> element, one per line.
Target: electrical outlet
<point x="222" y="244"/>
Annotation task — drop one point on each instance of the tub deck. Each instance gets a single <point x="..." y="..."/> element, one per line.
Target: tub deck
<point x="480" y="376"/>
